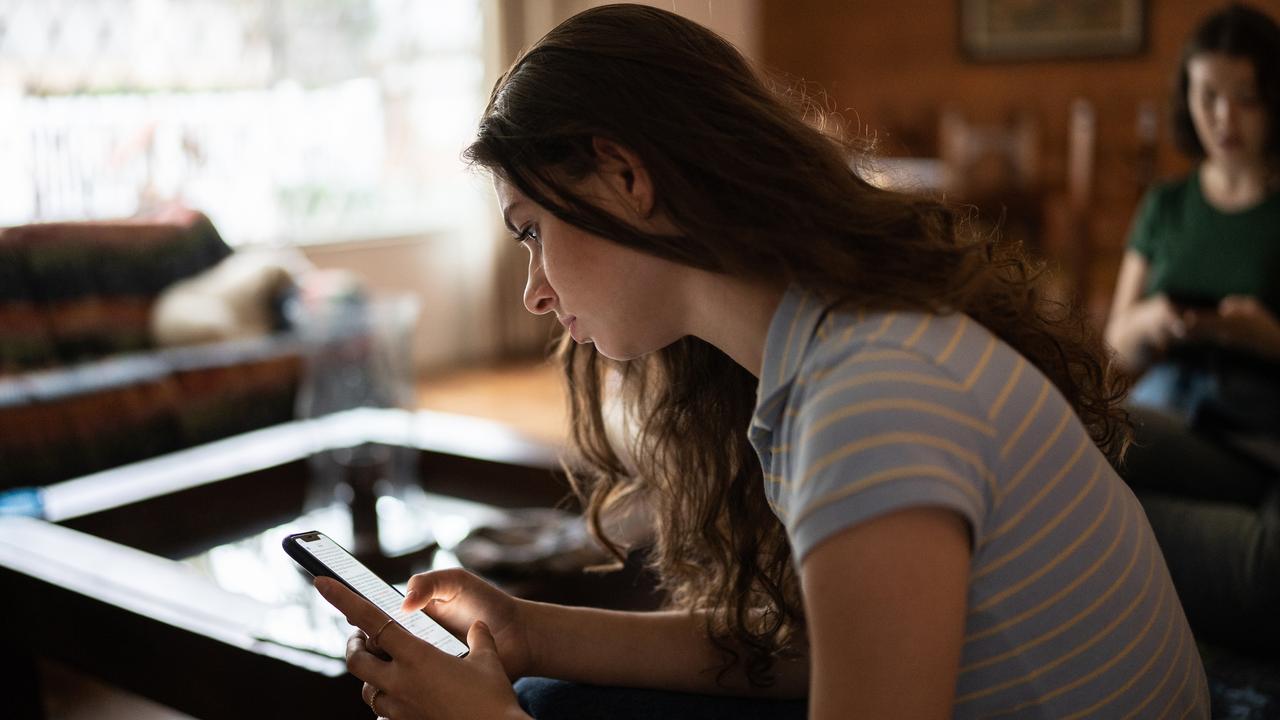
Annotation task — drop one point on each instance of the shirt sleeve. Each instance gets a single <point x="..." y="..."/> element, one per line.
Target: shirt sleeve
<point x="1142" y="234"/>
<point x="874" y="435"/>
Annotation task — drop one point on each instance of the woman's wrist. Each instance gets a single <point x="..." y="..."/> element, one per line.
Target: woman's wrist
<point x="1269" y="347"/>
<point x="1269" y="340"/>
<point x="560" y="640"/>
<point x="536" y="618"/>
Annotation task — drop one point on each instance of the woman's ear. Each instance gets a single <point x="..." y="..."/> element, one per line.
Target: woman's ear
<point x="625" y="173"/>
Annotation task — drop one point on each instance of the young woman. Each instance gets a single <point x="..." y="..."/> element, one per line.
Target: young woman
<point x="1197" y="315"/>
<point x="876" y="457"/>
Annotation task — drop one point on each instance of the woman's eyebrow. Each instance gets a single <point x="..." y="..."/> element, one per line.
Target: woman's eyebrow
<point x="506" y="216"/>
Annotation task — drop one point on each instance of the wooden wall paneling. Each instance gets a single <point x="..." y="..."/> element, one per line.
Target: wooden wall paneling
<point x="893" y="66"/>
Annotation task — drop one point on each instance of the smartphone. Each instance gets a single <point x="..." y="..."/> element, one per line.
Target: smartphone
<point x="1193" y="301"/>
<point x="321" y="556"/>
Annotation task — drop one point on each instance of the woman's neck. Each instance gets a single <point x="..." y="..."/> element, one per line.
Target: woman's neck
<point x="734" y="315"/>
<point x="1234" y="186"/>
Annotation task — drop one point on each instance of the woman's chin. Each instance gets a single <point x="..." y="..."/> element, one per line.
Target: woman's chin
<point x="612" y="352"/>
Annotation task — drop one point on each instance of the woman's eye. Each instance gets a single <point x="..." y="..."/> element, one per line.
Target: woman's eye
<point x="529" y="234"/>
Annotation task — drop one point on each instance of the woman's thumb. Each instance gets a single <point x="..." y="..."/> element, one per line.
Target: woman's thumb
<point x="479" y="638"/>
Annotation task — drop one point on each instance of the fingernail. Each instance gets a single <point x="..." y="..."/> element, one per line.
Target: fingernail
<point x="411" y="596"/>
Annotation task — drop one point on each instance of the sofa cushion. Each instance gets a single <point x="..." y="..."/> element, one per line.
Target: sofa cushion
<point x="65" y="422"/>
<point x="240" y="297"/>
<point x="25" y="338"/>
<point x="81" y="290"/>
<point x="60" y="423"/>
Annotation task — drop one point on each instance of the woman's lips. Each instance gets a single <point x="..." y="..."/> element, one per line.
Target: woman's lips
<point x="570" y="323"/>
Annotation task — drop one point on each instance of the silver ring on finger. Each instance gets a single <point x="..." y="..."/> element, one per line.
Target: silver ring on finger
<point x="373" y="701"/>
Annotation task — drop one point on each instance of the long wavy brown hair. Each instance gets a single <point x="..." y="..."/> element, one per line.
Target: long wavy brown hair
<point x="756" y="190"/>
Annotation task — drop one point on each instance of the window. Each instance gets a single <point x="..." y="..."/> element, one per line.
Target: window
<point x="291" y="121"/>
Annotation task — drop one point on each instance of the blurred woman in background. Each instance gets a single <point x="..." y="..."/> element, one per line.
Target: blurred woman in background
<point x="1196" y="317"/>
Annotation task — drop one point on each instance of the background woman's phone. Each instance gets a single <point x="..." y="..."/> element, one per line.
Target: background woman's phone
<point x="321" y="556"/>
<point x="1200" y="302"/>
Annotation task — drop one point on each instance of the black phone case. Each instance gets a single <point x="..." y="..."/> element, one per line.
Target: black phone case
<point x="1193" y="301"/>
<point x="309" y="561"/>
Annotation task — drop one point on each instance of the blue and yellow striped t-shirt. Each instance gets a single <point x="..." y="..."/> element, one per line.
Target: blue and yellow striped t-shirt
<point x="1071" y="612"/>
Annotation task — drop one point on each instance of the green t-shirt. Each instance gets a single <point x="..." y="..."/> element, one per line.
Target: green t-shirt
<point x="1196" y="251"/>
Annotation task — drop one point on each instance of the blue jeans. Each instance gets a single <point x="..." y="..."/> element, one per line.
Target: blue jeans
<point x="1222" y="395"/>
<point x="547" y="699"/>
<point x="1172" y="389"/>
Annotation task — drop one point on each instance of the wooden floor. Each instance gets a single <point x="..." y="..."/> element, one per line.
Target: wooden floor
<point x="527" y="396"/>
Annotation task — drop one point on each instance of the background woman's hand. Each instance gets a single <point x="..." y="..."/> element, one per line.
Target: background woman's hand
<point x="1157" y="323"/>
<point x="407" y="678"/>
<point x="457" y="599"/>
<point x="1241" y="321"/>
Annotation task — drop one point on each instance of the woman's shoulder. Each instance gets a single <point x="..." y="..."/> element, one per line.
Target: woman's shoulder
<point x="948" y="359"/>
<point x="846" y="336"/>
<point x="1174" y="191"/>
<point x="948" y="343"/>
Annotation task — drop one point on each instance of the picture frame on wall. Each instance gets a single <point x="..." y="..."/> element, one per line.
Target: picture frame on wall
<point x="1014" y="30"/>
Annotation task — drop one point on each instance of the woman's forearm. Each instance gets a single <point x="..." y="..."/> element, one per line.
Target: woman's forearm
<point x="1124" y="332"/>
<point x="1128" y="344"/>
<point x="662" y="650"/>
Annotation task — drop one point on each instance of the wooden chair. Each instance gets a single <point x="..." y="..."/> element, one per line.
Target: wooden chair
<point x="996" y="168"/>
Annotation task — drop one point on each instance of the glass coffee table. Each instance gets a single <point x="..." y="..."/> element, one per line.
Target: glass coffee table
<point x="166" y="577"/>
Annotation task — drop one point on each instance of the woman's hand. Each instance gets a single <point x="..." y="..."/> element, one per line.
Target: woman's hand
<point x="458" y="599"/>
<point x="1241" y="321"/>
<point x="408" y="679"/>
<point x="1157" y="323"/>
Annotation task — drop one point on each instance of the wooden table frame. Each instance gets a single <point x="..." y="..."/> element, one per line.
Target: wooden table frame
<point x="148" y="624"/>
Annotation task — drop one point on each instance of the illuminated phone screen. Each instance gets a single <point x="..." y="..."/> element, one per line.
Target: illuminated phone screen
<point x="377" y="591"/>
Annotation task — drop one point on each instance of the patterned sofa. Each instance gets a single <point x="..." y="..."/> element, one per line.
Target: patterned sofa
<point x="83" y="387"/>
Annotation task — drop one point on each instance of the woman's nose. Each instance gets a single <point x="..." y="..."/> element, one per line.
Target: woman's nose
<point x="1224" y="110"/>
<point x="539" y="298"/>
